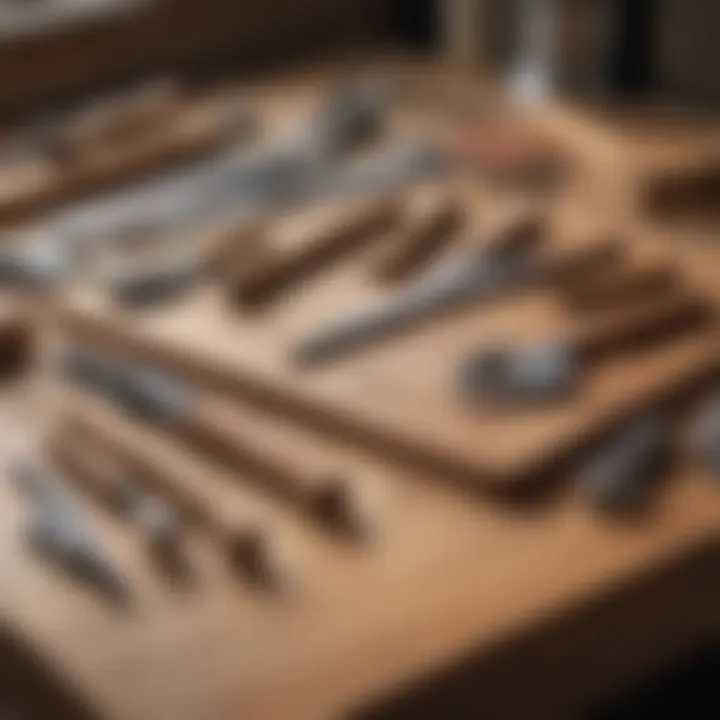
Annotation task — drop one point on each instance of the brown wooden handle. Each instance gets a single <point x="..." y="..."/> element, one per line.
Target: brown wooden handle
<point x="520" y="233"/>
<point x="240" y="539"/>
<point x="636" y="327"/>
<point x="121" y="117"/>
<point x="227" y="438"/>
<point x="619" y="287"/>
<point x="423" y="238"/>
<point x="95" y="473"/>
<point x="577" y="264"/>
<point x="190" y="136"/>
<point x="344" y="235"/>
<point x="17" y="345"/>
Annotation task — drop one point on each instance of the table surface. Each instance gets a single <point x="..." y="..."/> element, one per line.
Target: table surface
<point x="444" y="575"/>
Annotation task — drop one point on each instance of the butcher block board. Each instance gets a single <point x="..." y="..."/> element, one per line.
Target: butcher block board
<point x="399" y="397"/>
<point x="455" y="605"/>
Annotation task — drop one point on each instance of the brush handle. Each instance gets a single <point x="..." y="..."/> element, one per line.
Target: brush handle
<point x="420" y="241"/>
<point x="342" y="236"/>
<point x="618" y="288"/>
<point x="634" y="328"/>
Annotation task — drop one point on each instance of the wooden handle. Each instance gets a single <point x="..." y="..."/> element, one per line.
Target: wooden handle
<point x="344" y="235"/>
<point x="120" y="118"/>
<point x="243" y="542"/>
<point x="418" y="242"/>
<point x="516" y="234"/>
<point x="633" y="328"/>
<point x="579" y="263"/>
<point x="95" y="473"/>
<point x="619" y="287"/>
<point x="229" y="438"/>
<point x="17" y="345"/>
<point x="190" y="135"/>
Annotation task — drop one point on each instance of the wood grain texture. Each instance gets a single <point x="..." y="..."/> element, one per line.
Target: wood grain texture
<point x="455" y="600"/>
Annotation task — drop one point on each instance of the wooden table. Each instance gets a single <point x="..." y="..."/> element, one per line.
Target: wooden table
<point x="458" y="605"/>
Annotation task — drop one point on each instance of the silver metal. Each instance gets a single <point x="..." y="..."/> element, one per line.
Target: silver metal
<point x="478" y="276"/>
<point x="59" y="531"/>
<point x="499" y="374"/>
<point x="138" y="389"/>
<point x="624" y="469"/>
<point x="705" y="435"/>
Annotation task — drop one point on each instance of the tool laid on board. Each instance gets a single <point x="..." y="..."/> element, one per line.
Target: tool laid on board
<point x="237" y="535"/>
<point x="351" y="114"/>
<point x="202" y="424"/>
<point x="194" y="133"/>
<point x="420" y="239"/>
<point x="116" y="491"/>
<point x="37" y="263"/>
<point x="619" y="287"/>
<point x="627" y="467"/>
<point x="348" y="233"/>
<point x="151" y="285"/>
<point x="59" y="531"/>
<point x="552" y="369"/>
<point x="123" y="116"/>
<point x="17" y="343"/>
<point x="705" y="434"/>
<point x="502" y="265"/>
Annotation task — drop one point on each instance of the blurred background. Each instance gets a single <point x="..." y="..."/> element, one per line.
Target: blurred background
<point x="168" y="164"/>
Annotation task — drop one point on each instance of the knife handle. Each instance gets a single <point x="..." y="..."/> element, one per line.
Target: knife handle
<point x="237" y="536"/>
<point x="616" y="288"/>
<point x="636" y="327"/>
<point x="229" y="440"/>
<point x="419" y="241"/>
<point x="577" y="264"/>
<point x="340" y="237"/>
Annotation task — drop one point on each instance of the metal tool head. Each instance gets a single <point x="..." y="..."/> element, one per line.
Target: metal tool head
<point x="163" y="531"/>
<point x="624" y="469"/>
<point x="143" y="288"/>
<point x="705" y="435"/>
<point x="352" y="114"/>
<point x="474" y="277"/>
<point x="58" y="531"/>
<point x="502" y="375"/>
<point x="34" y="265"/>
<point x="56" y="536"/>
<point x="140" y="390"/>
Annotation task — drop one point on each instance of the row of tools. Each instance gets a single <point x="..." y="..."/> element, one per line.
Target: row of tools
<point x="616" y="306"/>
<point x="619" y="306"/>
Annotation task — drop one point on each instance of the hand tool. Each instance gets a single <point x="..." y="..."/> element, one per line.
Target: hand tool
<point x="552" y="370"/>
<point x="120" y="117"/>
<point x="17" y="343"/>
<point x="153" y="285"/>
<point x="35" y="264"/>
<point x="351" y="231"/>
<point x="705" y="434"/>
<point x="624" y="469"/>
<point x="193" y="135"/>
<point x="237" y="536"/>
<point x="351" y="114"/>
<point x="116" y="491"/>
<point x="204" y="426"/>
<point x="59" y="531"/>
<point x="619" y="287"/>
<point x="482" y="274"/>
<point x="420" y="239"/>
